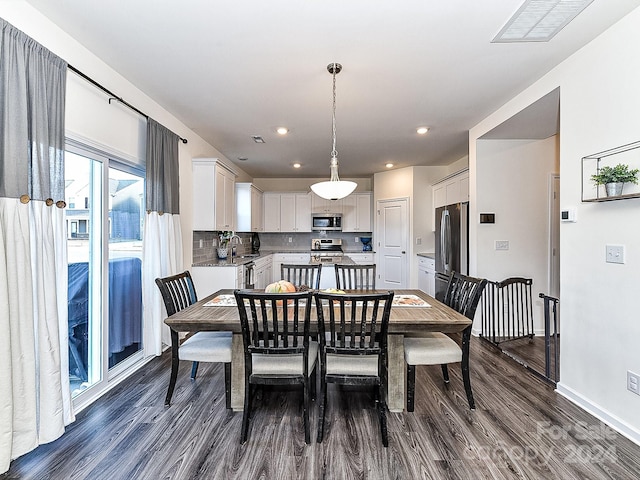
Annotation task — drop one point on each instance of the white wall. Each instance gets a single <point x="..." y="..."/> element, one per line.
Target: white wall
<point x="599" y="98"/>
<point x="107" y="128"/>
<point x="512" y="182"/>
<point x="413" y="183"/>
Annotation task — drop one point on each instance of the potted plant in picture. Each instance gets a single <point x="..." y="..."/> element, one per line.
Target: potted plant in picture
<point x="223" y="244"/>
<point x="613" y="178"/>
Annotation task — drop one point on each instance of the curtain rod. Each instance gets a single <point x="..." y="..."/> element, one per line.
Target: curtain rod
<point x="113" y="96"/>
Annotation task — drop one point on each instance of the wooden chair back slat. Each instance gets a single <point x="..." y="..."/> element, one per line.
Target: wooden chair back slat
<point x="355" y="277"/>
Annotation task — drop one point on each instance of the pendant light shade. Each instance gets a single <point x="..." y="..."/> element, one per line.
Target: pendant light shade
<point x="334" y="188"/>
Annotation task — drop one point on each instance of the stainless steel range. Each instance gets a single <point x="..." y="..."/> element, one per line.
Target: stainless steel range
<point x="326" y="250"/>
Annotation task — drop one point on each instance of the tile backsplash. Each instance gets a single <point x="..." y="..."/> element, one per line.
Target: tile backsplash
<point x="205" y="243"/>
<point x="302" y="241"/>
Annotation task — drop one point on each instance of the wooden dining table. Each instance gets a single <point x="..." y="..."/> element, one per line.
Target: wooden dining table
<point x="404" y="320"/>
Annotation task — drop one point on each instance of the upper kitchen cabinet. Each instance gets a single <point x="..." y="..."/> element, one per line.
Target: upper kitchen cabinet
<point x="453" y="189"/>
<point x="287" y="212"/>
<point x="322" y="205"/>
<point x="356" y="212"/>
<point x="249" y="213"/>
<point x="214" y="195"/>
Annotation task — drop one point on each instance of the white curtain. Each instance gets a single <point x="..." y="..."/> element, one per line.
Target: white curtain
<point x="162" y="244"/>
<point x="161" y="256"/>
<point x="35" y="402"/>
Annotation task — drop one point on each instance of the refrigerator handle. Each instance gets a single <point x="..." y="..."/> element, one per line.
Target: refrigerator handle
<point x="446" y="240"/>
<point x="443" y="259"/>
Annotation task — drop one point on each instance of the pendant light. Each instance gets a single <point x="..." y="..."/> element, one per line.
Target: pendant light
<point x="334" y="188"/>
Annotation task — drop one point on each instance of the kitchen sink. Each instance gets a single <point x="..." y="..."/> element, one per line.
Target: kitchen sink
<point x="248" y="255"/>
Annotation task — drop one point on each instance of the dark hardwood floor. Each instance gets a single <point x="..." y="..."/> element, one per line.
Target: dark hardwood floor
<point x="530" y="353"/>
<point x="521" y="429"/>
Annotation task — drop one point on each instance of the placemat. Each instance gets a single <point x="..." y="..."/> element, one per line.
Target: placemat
<point x="227" y="300"/>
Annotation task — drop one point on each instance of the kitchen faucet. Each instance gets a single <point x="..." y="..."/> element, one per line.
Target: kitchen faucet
<point x="234" y="246"/>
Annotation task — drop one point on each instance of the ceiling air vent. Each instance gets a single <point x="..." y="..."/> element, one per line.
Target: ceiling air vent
<point x="257" y="138"/>
<point x="540" y="20"/>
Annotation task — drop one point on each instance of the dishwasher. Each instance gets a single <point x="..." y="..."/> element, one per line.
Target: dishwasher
<point x="249" y="281"/>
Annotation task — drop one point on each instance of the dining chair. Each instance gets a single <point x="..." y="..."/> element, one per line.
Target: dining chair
<point x="277" y="346"/>
<point x="178" y="292"/>
<point x="300" y="274"/>
<point x="355" y="277"/>
<point x="463" y="294"/>
<point x="353" y="346"/>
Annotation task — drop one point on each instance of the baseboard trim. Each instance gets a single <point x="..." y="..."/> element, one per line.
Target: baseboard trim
<point x="614" y="422"/>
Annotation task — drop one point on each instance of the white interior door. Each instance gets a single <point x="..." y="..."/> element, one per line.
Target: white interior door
<point x="393" y="234"/>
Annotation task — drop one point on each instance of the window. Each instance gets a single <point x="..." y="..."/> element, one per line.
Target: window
<point x="105" y="267"/>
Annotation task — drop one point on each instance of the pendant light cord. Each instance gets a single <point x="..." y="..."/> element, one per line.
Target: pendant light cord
<point x="334" y="152"/>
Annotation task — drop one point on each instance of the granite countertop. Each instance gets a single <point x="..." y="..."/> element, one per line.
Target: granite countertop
<point x="427" y="255"/>
<point x="243" y="260"/>
<point x="225" y="262"/>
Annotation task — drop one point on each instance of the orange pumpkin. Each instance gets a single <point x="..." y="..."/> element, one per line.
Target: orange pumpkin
<point x="281" y="286"/>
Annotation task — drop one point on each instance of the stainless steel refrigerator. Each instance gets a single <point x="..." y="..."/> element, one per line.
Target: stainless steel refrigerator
<point x="452" y="243"/>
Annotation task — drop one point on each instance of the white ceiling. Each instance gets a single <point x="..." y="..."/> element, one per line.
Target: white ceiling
<point x="229" y="70"/>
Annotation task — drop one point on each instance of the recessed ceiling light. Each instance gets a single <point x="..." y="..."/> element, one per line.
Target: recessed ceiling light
<point x="296" y="165"/>
<point x="243" y="159"/>
<point x="540" y="20"/>
<point x="282" y="130"/>
<point x="422" y="130"/>
<point x="257" y="138"/>
<point x="389" y="165"/>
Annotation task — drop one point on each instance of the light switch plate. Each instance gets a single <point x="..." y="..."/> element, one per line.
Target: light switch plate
<point x="502" y="244"/>
<point x="615" y="254"/>
<point x="633" y="382"/>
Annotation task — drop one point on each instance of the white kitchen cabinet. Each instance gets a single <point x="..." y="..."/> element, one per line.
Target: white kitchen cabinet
<point x="208" y="280"/>
<point x="271" y="209"/>
<point x="294" y="258"/>
<point x="303" y="213"/>
<point x="322" y="205"/>
<point x="287" y="212"/>
<point x="427" y="275"/>
<point x="249" y="216"/>
<point x="262" y="272"/>
<point x="356" y="212"/>
<point x="225" y="199"/>
<point x="214" y="205"/>
<point x="451" y="190"/>
<point x="366" y="258"/>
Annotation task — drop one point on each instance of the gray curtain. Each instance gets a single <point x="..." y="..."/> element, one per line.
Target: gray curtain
<point x="162" y="169"/>
<point x="35" y="403"/>
<point x="32" y="100"/>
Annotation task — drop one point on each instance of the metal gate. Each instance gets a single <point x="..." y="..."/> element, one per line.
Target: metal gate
<point x="551" y="338"/>
<point x="507" y="310"/>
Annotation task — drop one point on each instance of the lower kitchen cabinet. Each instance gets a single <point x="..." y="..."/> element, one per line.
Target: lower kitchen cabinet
<point x="280" y="258"/>
<point x="427" y="275"/>
<point x="361" y="258"/>
<point x="262" y="271"/>
<point x="208" y="280"/>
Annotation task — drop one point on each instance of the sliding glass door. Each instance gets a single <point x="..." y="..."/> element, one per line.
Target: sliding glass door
<point x="104" y="215"/>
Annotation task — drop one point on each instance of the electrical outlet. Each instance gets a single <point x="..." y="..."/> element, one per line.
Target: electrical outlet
<point x="290" y="239"/>
<point x="201" y="243"/>
<point x="357" y="240"/>
<point x="418" y="240"/>
<point x="502" y="244"/>
<point x="615" y="254"/>
<point x="633" y="382"/>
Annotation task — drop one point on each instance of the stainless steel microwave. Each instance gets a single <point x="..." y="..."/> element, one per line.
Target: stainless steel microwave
<point x="326" y="221"/>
